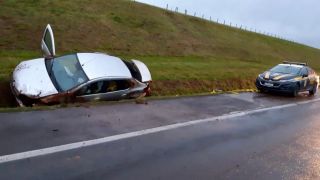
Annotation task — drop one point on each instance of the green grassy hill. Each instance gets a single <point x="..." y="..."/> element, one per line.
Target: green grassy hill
<point x="185" y="54"/>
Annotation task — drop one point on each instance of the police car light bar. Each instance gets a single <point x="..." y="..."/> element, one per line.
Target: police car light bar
<point x="296" y="63"/>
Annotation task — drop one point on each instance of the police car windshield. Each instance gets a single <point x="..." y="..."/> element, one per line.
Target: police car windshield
<point x="286" y="69"/>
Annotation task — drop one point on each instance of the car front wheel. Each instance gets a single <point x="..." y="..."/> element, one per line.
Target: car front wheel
<point x="314" y="90"/>
<point x="296" y="91"/>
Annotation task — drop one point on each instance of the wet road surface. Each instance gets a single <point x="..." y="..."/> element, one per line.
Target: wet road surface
<point x="281" y="143"/>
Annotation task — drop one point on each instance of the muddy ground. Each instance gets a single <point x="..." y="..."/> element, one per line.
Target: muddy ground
<point x="6" y="99"/>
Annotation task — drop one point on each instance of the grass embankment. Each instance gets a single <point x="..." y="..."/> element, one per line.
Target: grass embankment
<point x="186" y="55"/>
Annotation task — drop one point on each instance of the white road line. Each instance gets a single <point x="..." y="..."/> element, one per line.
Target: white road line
<point x="66" y="147"/>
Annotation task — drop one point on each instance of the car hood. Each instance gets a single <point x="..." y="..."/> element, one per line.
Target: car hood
<point x="269" y="75"/>
<point x="31" y="78"/>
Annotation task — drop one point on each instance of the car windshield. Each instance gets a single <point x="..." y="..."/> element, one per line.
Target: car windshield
<point x="286" y="69"/>
<point x="66" y="72"/>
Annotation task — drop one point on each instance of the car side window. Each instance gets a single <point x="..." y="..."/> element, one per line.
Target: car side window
<point x="103" y="87"/>
<point x="311" y="72"/>
<point x="93" y="88"/>
<point x="304" y="71"/>
<point x="115" y="85"/>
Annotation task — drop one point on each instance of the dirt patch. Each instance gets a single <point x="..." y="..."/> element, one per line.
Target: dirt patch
<point x="6" y="97"/>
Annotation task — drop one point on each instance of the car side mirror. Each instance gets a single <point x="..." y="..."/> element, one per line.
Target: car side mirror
<point x="304" y="75"/>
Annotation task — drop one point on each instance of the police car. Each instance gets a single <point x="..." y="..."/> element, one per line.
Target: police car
<point x="289" y="77"/>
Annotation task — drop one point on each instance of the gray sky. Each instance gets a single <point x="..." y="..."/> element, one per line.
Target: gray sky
<point x="297" y="20"/>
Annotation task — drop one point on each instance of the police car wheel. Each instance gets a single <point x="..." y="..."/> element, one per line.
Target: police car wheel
<point x="295" y="91"/>
<point x="314" y="90"/>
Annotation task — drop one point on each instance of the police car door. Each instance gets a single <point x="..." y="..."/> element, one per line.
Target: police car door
<point x="305" y="79"/>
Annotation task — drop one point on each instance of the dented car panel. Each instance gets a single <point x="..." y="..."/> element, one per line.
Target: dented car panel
<point x="77" y="77"/>
<point x="31" y="79"/>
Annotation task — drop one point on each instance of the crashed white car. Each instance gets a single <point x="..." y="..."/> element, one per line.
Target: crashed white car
<point x="77" y="77"/>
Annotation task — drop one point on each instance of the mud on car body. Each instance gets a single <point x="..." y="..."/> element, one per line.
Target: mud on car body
<point x="77" y="77"/>
<point x="289" y="77"/>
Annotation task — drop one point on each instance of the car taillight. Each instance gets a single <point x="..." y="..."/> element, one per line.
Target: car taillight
<point x="147" y="90"/>
<point x="132" y="83"/>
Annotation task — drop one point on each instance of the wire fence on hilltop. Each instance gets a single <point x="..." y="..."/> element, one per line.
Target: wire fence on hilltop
<point x="224" y="22"/>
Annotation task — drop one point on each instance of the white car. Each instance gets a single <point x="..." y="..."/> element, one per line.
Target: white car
<point x="77" y="77"/>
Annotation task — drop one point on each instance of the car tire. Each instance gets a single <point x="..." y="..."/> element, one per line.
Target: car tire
<point x="260" y="90"/>
<point x="296" y="91"/>
<point x="314" y="90"/>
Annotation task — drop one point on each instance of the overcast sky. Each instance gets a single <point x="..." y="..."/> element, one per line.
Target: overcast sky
<point x="298" y="20"/>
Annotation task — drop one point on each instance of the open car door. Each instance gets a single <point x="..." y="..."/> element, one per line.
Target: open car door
<point x="143" y="69"/>
<point x="47" y="43"/>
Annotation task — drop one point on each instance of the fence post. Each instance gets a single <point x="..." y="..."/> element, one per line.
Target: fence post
<point x="236" y="25"/>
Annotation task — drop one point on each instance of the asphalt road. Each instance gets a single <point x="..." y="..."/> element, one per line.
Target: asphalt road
<point x="239" y="136"/>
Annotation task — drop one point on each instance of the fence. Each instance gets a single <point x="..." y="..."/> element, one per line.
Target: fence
<point x="224" y="22"/>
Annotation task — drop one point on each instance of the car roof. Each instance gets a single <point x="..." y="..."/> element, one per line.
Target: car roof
<point x="99" y="65"/>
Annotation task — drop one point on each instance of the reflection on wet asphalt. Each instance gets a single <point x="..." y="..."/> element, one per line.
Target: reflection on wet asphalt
<point x="275" y="144"/>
